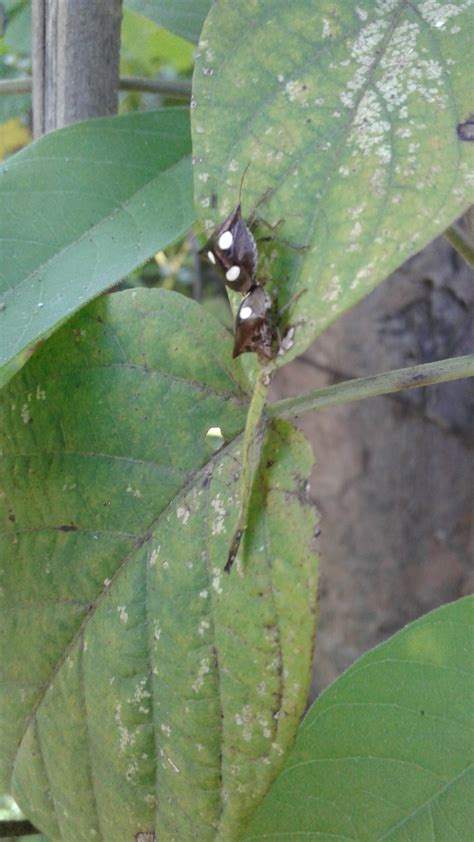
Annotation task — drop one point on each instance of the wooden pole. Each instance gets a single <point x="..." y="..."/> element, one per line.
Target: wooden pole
<point x="76" y="48"/>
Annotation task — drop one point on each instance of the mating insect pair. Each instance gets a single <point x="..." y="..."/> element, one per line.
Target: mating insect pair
<point x="234" y="249"/>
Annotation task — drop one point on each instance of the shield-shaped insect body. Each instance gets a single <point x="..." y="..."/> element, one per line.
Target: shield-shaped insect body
<point x="254" y="324"/>
<point x="233" y="248"/>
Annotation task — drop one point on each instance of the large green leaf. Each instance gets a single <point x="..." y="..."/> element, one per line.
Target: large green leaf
<point x="347" y="113"/>
<point x="184" y="17"/>
<point x="142" y="688"/>
<point x="82" y="207"/>
<point x="386" y="752"/>
<point x="145" y="47"/>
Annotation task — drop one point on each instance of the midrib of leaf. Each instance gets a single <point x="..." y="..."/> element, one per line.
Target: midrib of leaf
<point x="122" y="207"/>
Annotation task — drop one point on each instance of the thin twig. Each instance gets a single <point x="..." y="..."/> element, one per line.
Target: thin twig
<point x="461" y="241"/>
<point x="22" y="85"/>
<point x="369" y="387"/>
<point x="166" y="87"/>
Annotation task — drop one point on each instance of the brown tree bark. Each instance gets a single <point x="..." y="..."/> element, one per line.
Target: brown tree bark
<point x="393" y="478"/>
<point x="76" y="49"/>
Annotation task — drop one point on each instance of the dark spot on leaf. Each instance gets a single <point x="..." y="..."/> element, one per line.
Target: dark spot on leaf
<point x="3" y="306"/>
<point x="465" y="131"/>
<point x="269" y="463"/>
<point x="12" y="517"/>
<point x="206" y="481"/>
<point x="213" y="200"/>
<point x="422" y="713"/>
<point x="68" y="527"/>
<point x="317" y="532"/>
<point x="145" y="837"/>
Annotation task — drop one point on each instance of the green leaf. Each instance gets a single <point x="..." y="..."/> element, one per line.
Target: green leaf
<point x="18" y="31"/>
<point x="386" y="752"/>
<point x="145" y="48"/>
<point x="183" y="17"/>
<point x="347" y="114"/>
<point x="82" y="207"/>
<point x="142" y="688"/>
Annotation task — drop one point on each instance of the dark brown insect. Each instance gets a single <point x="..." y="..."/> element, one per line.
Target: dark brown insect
<point x="233" y="248"/>
<point x="254" y="324"/>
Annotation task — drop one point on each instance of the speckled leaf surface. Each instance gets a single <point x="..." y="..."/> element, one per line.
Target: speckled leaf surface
<point x="183" y="17"/>
<point x="386" y="753"/>
<point x="348" y="114"/>
<point x="81" y="207"/>
<point x="143" y="689"/>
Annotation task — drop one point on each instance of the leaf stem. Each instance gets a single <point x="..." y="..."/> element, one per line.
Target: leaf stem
<point x="461" y="241"/>
<point x="179" y="89"/>
<point x="369" y="387"/>
<point x="251" y="448"/>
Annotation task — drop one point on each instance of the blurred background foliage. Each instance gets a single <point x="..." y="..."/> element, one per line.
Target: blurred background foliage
<point x="148" y="52"/>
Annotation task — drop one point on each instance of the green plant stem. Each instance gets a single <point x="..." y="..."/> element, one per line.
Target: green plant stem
<point x="371" y="387"/>
<point x="461" y="241"/>
<point x="251" y="448"/>
<point x="166" y="87"/>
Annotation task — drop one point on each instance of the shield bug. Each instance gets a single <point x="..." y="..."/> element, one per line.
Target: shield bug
<point x="233" y="248"/>
<point x="254" y="324"/>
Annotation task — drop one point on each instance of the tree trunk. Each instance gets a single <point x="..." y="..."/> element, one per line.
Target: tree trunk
<point x="393" y="478"/>
<point x="76" y="50"/>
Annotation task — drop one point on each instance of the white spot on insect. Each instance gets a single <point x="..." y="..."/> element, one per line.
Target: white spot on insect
<point x="225" y="241"/>
<point x="233" y="273"/>
<point x="25" y="413"/>
<point x="245" y="312"/>
<point x="123" y="613"/>
<point x="211" y="258"/>
<point x="207" y="71"/>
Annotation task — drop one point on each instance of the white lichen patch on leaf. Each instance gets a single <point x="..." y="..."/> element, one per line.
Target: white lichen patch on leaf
<point x="127" y="738"/>
<point x="182" y="514"/>
<point x="141" y="692"/>
<point x="244" y="721"/>
<point x="154" y="556"/>
<point x="378" y="88"/>
<point x="123" y="613"/>
<point x="218" y="524"/>
<point x="437" y="13"/>
<point x="25" y="413"/>
<point x="204" y="668"/>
